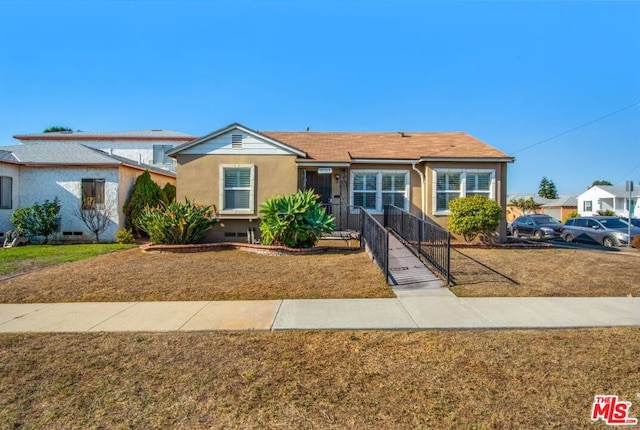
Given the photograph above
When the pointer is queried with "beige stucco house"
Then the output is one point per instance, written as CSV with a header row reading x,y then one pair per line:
x,y
237,169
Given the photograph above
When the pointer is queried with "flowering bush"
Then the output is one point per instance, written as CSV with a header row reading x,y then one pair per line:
x,y
177,223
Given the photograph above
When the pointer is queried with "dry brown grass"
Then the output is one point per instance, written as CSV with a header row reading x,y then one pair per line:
x,y
132,275
545,272
334,380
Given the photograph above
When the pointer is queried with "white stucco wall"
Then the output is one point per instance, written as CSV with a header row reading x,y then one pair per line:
x,y
40,184
602,200
5,214
137,151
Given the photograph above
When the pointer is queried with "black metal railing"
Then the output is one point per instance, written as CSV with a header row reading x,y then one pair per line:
x,y
426,238
374,238
347,218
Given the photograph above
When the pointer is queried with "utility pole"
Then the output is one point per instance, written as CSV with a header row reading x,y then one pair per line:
x,y
629,187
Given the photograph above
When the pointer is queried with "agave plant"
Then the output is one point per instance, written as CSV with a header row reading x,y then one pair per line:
x,y
296,220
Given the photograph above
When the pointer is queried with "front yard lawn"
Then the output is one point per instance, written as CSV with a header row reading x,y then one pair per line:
x,y
500,379
26,258
132,275
545,273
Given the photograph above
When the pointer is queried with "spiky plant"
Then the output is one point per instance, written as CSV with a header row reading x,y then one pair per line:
x,y
295,220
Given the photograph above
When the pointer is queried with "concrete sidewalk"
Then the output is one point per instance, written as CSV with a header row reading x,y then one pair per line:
x,y
435,309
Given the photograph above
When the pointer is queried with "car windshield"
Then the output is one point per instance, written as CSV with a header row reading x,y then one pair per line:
x,y
546,220
613,223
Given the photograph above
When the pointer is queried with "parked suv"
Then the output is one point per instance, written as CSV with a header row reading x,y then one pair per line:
x,y
604,230
539,226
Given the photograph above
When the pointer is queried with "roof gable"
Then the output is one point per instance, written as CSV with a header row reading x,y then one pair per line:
x,y
609,191
250,142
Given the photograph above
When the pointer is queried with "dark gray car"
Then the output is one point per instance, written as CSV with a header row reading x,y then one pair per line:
x,y
538,226
603,230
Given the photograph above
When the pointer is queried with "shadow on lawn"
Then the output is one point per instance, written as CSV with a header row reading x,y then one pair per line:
x,y
466,270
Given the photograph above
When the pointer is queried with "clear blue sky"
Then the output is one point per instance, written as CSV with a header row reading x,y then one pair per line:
x,y
509,73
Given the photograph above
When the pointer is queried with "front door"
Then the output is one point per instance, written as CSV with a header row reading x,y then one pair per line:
x,y
321,183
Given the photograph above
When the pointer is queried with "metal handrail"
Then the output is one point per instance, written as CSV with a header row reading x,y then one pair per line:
x,y
426,238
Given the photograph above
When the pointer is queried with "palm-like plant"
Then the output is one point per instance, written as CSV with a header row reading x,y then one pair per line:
x,y
296,220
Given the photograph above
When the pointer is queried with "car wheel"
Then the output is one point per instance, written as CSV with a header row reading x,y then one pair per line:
x,y
537,235
568,238
608,242
515,233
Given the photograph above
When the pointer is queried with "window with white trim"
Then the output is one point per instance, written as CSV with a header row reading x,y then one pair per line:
x,y
6,191
160,156
237,188
450,184
587,205
373,189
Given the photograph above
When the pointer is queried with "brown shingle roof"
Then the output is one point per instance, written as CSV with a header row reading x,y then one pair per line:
x,y
345,147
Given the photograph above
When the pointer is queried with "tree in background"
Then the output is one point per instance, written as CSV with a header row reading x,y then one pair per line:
x,y
525,205
145,192
600,183
56,128
474,215
547,189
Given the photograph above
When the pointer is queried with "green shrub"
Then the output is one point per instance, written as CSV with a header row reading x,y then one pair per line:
x,y
474,215
169,191
124,235
573,214
177,223
296,220
37,220
605,212
144,193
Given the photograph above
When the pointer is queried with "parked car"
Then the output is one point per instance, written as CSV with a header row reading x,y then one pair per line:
x,y
635,221
538,226
604,230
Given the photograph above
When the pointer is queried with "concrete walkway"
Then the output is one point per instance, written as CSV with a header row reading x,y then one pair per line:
x,y
437,309
421,304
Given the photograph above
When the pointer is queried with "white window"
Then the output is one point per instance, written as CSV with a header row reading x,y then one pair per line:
x,y
237,188
374,189
159,154
6,190
587,206
450,184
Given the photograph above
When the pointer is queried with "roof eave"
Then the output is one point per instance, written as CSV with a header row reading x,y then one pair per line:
x,y
93,138
173,152
471,159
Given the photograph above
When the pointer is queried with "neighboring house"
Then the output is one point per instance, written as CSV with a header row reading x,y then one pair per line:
x,y
75,174
609,197
143,147
559,208
237,169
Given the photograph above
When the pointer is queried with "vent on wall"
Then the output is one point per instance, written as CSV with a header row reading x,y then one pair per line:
x,y
236,141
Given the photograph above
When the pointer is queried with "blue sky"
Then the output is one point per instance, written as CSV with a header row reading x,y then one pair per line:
x,y
509,73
